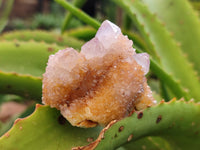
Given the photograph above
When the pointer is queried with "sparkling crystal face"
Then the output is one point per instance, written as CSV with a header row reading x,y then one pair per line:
x,y
143,60
108,34
104,82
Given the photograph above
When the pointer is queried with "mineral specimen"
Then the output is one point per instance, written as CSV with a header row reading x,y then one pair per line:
x,y
104,82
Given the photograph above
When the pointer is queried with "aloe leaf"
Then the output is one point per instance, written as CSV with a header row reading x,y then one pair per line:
x,y
77,3
172,58
79,13
172,83
46,129
40,35
28,58
5,14
23,85
185,29
84,33
22,65
147,143
175,121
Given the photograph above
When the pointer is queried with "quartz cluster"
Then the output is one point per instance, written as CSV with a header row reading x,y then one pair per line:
x,y
104,82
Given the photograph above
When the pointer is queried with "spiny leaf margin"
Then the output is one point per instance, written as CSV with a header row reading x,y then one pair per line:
x,y
168,119
43,126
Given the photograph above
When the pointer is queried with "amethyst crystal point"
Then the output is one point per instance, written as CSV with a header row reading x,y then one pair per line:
x,y
108,33
143,60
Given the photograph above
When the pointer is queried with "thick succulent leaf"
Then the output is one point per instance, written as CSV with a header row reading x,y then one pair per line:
x,y
22,65
45,129
84,33
23,85
172,58
147,143
40,35
28,58
176,121
185,29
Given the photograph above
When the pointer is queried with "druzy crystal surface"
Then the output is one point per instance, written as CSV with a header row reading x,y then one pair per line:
x,y
104,82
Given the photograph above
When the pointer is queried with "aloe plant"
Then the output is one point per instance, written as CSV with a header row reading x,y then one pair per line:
x,y
160,32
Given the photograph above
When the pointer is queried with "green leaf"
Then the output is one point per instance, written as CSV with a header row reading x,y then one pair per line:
x,y
84,33
22,65
172,58
28,58
177,121
185,29
41,35
46,129
23,85
147,143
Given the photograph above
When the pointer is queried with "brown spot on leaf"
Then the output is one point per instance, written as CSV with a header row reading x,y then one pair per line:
x,y
121,128
140,115
17,44
159,119
96,142
50,49
9,86
61,120
90,139
130,137
60,39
